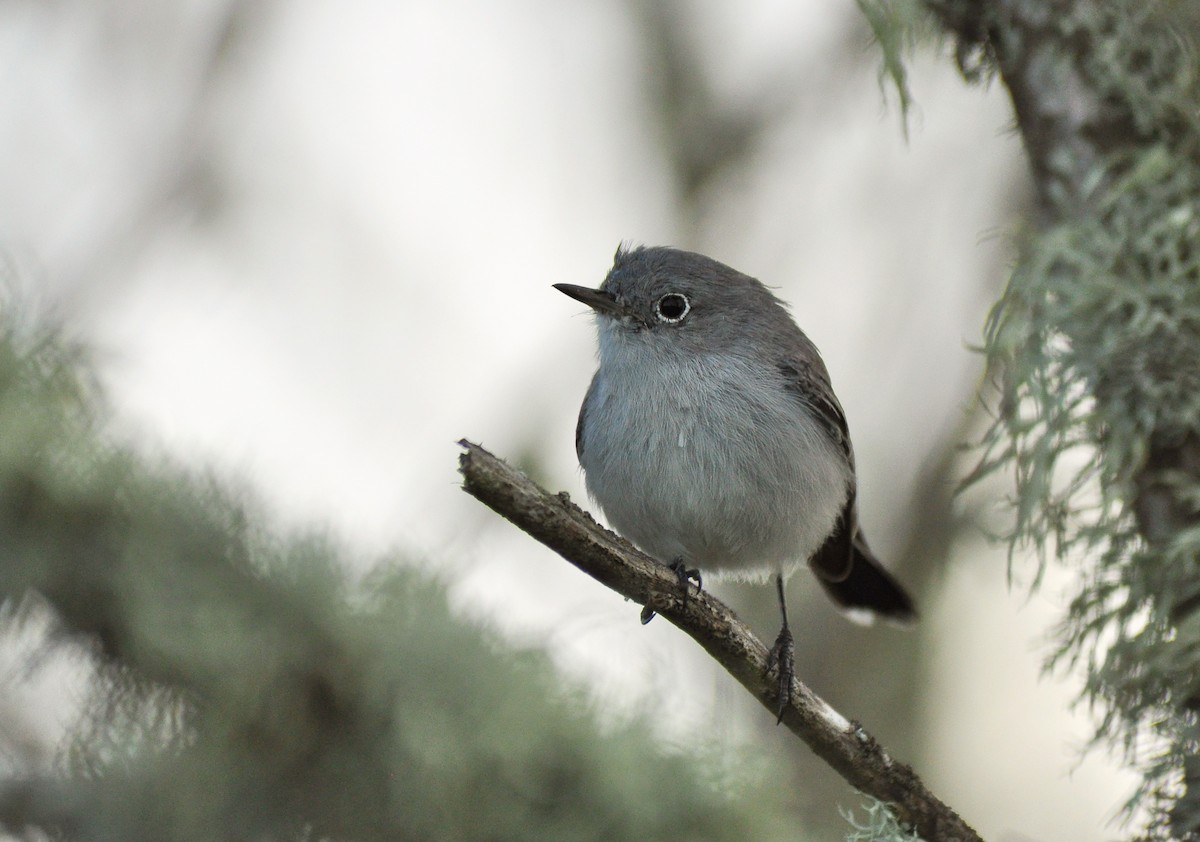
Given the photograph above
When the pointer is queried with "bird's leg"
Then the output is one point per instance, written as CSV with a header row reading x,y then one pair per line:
x,y
686,576
782,655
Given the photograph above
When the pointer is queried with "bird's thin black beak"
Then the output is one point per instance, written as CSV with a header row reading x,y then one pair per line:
x,y
597,299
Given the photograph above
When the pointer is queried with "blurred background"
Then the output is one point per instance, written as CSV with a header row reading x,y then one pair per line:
x,y
311,246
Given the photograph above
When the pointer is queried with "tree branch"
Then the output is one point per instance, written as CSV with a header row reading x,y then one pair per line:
x,y
843,744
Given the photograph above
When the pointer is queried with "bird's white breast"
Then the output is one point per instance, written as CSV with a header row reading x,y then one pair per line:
x,y
710,459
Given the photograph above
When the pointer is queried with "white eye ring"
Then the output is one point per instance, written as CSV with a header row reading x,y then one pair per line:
x,y
672,308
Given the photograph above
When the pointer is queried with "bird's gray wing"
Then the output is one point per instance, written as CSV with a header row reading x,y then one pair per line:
x,y
844,564
809,384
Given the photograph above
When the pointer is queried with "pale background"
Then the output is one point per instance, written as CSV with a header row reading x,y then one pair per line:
x,y
312,244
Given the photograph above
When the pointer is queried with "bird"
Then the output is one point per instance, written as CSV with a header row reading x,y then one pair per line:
x,y
711,438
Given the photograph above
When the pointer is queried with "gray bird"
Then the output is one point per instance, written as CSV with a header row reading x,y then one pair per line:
x,y
711,437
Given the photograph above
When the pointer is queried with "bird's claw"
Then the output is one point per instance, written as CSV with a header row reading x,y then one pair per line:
x,y
782,659
686,576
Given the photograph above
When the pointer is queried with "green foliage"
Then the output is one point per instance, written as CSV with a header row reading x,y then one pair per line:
x,y
878,825
1143,60
249,688
898,26
1095,350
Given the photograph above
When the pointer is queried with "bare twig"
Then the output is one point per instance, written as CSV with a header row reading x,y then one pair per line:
x,y
843,744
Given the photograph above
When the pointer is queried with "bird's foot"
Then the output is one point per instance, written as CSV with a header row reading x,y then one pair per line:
x,y
782,659
686,576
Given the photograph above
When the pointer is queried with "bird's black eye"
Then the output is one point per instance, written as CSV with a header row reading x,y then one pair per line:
x,y
672,307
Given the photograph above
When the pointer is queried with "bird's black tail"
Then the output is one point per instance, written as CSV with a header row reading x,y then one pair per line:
x,y
862,583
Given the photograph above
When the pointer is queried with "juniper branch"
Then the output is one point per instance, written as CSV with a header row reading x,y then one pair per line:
x,y
842,743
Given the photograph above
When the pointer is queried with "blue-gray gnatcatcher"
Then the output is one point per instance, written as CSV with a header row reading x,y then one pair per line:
x,y
712,439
